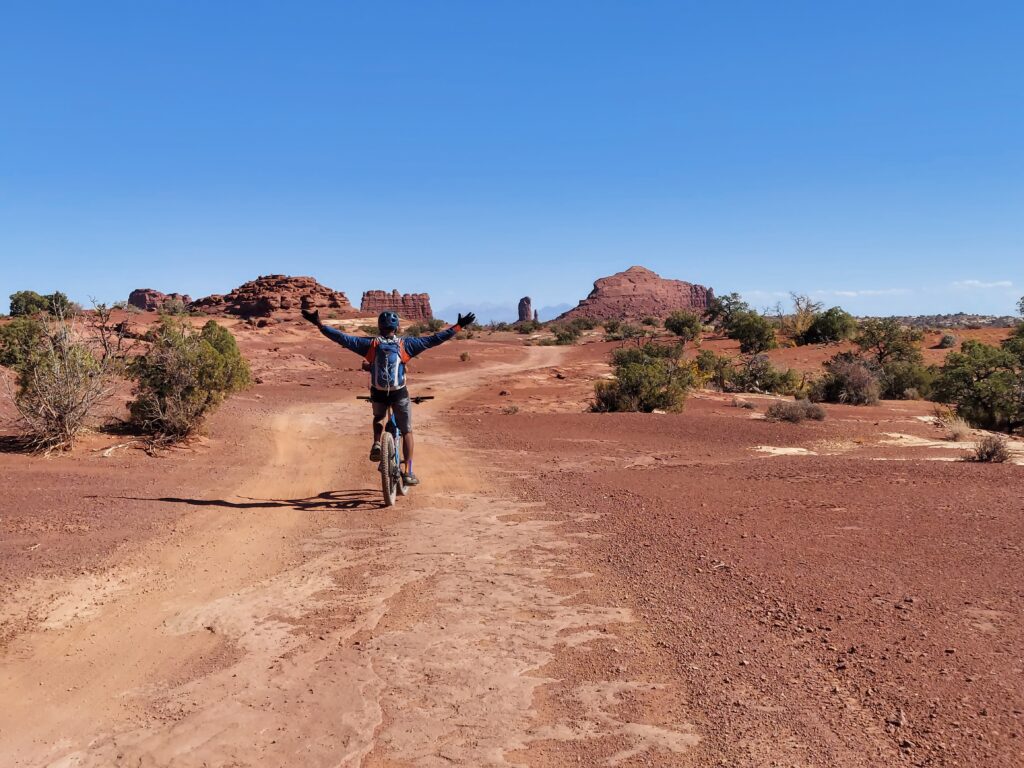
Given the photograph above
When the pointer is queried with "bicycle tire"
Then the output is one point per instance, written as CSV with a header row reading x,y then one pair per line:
x,y
388,469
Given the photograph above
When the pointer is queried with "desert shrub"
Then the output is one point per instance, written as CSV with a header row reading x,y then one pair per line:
x,y
884,340
647,378
19,338
501,326
464,357
985,383
722,309
583,324
510,410
566,334
650,321
992,449
716,369
948,341
893,353
847,379
741,403
628,332
795,411
753,331
184,376
61,381
686,325
611,326
434,324
25,303
528,326
959,429
172,306
828,327
905,380
757,374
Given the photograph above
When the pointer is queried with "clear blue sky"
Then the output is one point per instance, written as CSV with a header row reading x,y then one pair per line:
x,y
872,152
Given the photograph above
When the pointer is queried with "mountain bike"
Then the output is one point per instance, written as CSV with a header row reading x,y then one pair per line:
x,y
391,483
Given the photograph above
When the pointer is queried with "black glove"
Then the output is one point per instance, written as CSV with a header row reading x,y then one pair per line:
x,y
313,317
466,320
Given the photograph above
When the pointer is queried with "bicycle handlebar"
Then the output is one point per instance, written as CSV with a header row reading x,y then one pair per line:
x,y
418,399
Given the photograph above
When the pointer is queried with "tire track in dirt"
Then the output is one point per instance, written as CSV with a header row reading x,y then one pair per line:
x,y
283,627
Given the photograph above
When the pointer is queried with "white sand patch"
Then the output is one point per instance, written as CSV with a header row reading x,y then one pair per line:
x,y
774,450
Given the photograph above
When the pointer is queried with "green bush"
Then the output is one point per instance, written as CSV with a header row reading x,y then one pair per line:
x,y
717,369
650,321
184,376
566,334
627,332
758,375
528,326
753,331
24,303
905,380
828,327
19,338
686,325
884,340
985,383
948,341
795,411
647,378
847,379
60,383
723,309
611,326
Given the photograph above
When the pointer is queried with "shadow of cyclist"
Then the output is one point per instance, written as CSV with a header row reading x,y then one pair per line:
x,y
322,502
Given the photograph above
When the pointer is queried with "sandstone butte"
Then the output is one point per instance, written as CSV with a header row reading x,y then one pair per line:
x,y
270,294
413,307
150,300
638,293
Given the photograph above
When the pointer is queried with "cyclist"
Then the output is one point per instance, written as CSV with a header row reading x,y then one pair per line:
x,y
385,358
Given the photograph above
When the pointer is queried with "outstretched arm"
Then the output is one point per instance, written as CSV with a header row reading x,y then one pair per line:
x,y
415,345
358,344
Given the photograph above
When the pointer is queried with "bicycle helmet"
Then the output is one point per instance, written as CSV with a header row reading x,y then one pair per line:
x,y
387,322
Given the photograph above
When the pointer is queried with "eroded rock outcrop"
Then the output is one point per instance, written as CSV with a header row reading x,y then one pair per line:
x,y
271,294
412,307
150,300
637,293
525,309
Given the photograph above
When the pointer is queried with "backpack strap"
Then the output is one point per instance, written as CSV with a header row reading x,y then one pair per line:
x,y
372,351
404,356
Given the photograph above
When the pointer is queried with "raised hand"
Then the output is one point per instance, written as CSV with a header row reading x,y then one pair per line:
x,y
466,320
313,317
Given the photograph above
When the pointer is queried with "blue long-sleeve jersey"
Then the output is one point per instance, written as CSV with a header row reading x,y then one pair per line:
x,y
413,345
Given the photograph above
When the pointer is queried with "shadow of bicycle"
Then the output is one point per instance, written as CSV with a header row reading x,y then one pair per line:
x,y
327,501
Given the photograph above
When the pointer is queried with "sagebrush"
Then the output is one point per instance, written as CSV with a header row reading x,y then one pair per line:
x,y
184,376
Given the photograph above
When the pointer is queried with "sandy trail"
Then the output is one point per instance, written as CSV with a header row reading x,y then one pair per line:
x,y
288,624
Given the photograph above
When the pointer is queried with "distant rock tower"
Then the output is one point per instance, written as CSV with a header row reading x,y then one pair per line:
x,y
536,316
525,309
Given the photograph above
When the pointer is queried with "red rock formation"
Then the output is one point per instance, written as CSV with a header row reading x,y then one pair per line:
x,y
270,294
638,293
149,300
526,312
411,307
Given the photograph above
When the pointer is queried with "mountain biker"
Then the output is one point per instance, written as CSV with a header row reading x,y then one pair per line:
x,y
385,358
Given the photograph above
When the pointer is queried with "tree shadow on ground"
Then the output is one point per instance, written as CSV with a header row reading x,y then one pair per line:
x,y
16,444
323,502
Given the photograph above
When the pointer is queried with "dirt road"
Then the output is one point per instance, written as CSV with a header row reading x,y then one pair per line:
x,y
565,588
282,624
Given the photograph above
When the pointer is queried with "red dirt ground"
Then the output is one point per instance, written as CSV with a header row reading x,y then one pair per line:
x,y
703,588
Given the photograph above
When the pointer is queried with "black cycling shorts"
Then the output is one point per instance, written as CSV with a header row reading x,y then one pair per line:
x,y
400,404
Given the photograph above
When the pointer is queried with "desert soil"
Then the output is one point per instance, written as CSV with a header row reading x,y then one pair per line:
x,y
564,588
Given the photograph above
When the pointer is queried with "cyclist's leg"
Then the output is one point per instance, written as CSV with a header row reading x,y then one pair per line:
x,y
403,415
380,412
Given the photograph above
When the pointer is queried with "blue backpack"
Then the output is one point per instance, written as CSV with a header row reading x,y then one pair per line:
x,y
387,359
